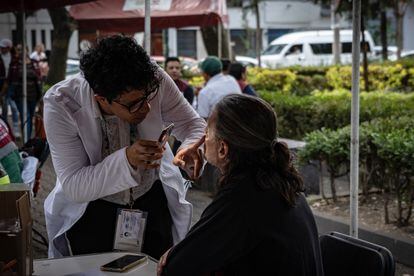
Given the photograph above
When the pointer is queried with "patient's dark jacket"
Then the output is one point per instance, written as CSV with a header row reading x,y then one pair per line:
x,y
249,231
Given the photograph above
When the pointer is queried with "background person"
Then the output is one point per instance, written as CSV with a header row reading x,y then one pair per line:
x,y
173,68
34,93
225,63
39,53
102,126
7,54
259,223
238,71
217,86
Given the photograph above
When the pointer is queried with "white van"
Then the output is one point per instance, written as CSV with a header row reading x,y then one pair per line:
x,y
310,48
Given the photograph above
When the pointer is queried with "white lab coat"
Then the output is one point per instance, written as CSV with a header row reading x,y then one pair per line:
x,y
74,133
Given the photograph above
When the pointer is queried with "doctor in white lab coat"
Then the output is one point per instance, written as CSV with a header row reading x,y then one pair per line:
x,y
87,171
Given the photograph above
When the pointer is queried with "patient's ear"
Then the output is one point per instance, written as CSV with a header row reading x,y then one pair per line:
x,y
101,100
223,151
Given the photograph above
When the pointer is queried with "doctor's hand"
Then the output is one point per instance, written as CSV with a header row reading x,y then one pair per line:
x,y
143,153
162,262
190,159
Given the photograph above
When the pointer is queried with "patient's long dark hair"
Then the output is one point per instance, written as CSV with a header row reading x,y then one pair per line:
x,y
248,124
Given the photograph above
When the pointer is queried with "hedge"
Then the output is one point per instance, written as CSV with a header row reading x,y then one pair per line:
x,y
397,77
298,115
386,159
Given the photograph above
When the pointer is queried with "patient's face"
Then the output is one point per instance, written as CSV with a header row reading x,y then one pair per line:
x,y
211,143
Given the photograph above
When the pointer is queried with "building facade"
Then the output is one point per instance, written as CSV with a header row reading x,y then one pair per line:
x,y
277,17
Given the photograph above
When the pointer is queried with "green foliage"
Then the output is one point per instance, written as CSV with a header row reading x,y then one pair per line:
x,y
272,80
380,77
298,116
386,157
197,81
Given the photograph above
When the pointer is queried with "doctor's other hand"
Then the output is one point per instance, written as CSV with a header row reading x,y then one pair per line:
x,y
190,159
162,262
143,154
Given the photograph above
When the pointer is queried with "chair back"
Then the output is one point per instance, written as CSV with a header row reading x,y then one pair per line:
x,y
386,254
345,257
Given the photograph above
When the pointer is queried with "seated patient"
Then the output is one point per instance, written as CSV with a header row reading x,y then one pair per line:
x,y
259,223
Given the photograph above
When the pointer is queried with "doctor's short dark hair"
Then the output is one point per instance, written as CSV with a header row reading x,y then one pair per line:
x,y
117,64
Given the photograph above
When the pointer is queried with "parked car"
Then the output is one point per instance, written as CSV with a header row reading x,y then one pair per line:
x,y
310,48
248,61
72,67
408,54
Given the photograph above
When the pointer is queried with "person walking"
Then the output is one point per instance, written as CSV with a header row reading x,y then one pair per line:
x,y
34,93
7,54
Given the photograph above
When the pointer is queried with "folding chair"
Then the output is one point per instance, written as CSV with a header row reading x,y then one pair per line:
x,y
386,254
342,257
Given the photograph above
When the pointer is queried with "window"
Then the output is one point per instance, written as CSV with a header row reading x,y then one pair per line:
x,y
235,3
347,47
43,37
14,37
244,42
274,49
322,48
295,50
272,34
187,43
33,34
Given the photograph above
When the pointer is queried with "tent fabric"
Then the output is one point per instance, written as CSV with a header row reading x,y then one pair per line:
x,y
32,5
109,15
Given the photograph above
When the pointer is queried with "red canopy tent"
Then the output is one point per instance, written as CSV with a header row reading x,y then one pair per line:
x,y
32,5
119,16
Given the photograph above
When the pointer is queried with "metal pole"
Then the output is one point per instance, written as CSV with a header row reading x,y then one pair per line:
x,y
335,27
219,38
147,35
356,36
24,53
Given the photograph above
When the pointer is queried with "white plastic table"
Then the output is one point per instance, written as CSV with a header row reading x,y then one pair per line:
x,y
89,265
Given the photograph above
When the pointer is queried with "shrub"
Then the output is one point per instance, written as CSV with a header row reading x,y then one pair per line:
x,y
272,80
197,81
386,159
328,146
300,115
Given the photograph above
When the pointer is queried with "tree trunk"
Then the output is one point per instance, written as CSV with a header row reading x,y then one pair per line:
x,y
210,39
321,186
399,36
19,28
399,12
410,201
364,55
63,26
383,30
258,34
387,195
336,42
333,188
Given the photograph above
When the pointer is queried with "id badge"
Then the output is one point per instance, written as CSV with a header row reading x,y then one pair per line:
x,y
130,228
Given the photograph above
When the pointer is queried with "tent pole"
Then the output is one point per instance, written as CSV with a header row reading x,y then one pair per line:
x,y
147,35
356,45
24,77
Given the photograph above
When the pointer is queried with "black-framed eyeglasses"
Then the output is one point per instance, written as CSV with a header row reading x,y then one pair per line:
x,y
135,106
